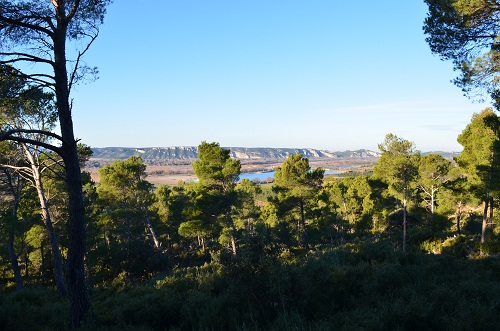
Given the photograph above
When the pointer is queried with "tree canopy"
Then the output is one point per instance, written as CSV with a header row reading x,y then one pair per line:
x,y
480,158
398,167
467,32
34,36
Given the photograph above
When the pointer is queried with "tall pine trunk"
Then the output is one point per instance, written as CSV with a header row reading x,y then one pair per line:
x,y
81,306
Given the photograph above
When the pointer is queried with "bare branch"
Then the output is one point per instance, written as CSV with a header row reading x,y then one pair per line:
x,y
25,57
42,132
17,22
24,172
10,135
78,59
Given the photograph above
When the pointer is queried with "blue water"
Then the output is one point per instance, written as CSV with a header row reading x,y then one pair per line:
x,y
262,176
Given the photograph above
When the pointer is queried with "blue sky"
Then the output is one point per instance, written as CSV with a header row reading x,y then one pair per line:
x,y
326,74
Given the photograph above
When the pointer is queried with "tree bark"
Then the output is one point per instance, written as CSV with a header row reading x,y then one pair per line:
x,y
404,224
15,190
14,262
54,245
81,306
154,237
485,219
305,240
490,221
233,244
433,193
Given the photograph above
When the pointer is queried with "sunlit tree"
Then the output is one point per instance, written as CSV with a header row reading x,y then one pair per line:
x,y
398,167
480,160
34,38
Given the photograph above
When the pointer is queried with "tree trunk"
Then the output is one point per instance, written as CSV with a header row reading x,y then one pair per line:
x,y
305,240
152,232
81,306
233,244
129,230
229,223
490,221
26,265
404,224
54,245
77,287
42,253
459,214
485,220
14,262
433,193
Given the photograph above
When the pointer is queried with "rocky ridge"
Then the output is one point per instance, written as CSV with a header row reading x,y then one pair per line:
x,y
154,154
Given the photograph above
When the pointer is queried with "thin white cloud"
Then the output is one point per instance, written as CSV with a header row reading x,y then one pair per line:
x,y
420,106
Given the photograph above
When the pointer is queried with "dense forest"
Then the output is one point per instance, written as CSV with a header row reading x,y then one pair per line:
x,y
413,245
417,241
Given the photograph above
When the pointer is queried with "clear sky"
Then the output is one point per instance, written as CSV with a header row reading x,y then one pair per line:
x,y
325,74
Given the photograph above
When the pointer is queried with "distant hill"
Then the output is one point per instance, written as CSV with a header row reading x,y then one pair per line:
x,y
446,155
162,154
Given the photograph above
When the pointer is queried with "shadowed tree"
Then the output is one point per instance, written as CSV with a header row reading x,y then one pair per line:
x,y
434,171
126,197
398,167
480,160
169,206
34,36
295,185
11,187
218,173
455,195
351,197
30,109
246,212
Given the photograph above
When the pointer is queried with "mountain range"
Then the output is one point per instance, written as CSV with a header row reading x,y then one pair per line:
x,y
152,154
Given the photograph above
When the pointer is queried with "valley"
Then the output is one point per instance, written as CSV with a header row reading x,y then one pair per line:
x,y
173,164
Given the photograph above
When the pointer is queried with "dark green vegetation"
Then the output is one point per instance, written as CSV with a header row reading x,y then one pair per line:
x,y
298,254
466,33
34,36
412,246
364,287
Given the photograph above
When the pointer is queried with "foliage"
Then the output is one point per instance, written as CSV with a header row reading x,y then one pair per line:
x,y
124,222
434,172
398,168
352,267
480,160
214,196
295,186
364,287
33,40
466,32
